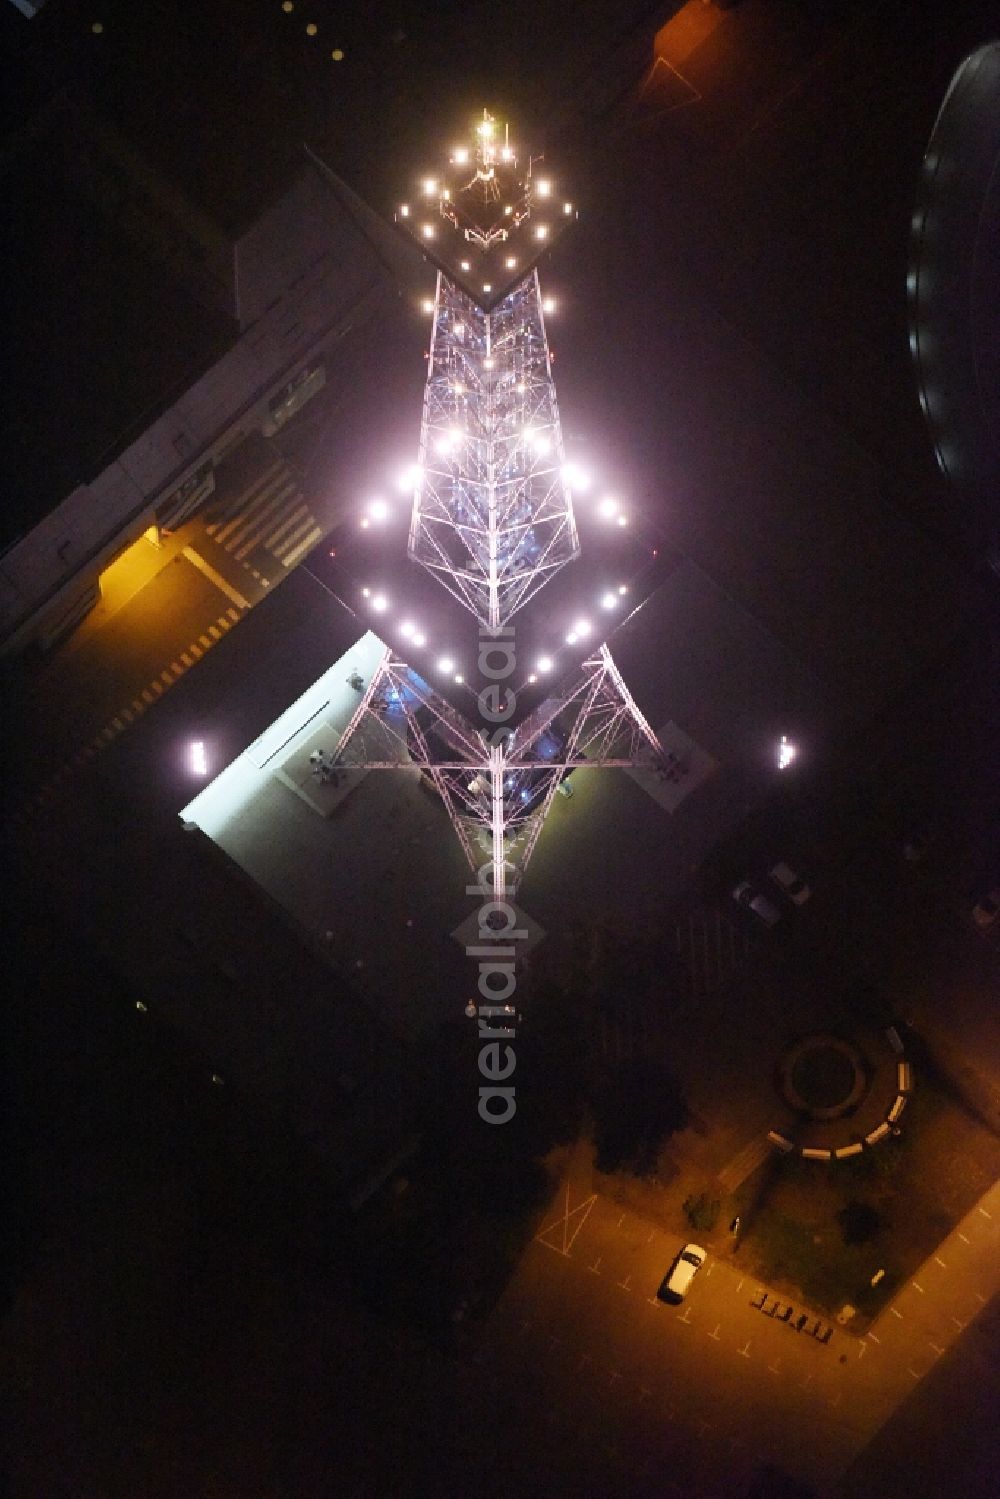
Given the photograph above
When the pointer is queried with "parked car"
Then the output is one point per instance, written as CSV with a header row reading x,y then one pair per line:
x,y
756,901
677,1281
986,910
790,884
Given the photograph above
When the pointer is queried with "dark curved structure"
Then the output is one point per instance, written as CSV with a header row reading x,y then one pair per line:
x,y
954,288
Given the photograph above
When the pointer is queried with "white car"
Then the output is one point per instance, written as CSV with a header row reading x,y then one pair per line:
x,y
748,895
790,884
677,1281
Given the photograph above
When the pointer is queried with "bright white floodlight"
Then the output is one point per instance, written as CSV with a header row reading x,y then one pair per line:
x,y
427,231
378,510
430,186
380,603
548,305
541,231
608,508
460,156
427,305
623,520
409,479
609,600
582,627
786,753
198,759
446,664
575,478
543,187
418,638
407,629
544,663
571,638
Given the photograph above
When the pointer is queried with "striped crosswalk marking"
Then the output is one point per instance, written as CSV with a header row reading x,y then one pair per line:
x,y
271,513
290,559
187,658
215,632
147,696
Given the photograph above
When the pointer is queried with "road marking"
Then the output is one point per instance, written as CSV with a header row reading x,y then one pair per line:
x,y
918,1287
196,651
874,1337
939,1261
652,1236
895,1313
715,1334
984,1213
224,623
307,541
809,1380
233,615
775,1368
138,705
911,1370
185,657
166,677
935,1347
687,1315
156,688
980,1299
740,1286
621,1220
215,632
862,1349
177,668
595,1267
654,1301
568,1239
963,1238
626,1284
127,714
744,1352
204,642
220,582
959,1325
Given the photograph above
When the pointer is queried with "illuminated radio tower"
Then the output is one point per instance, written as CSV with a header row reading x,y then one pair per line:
x,y
492,511
493,519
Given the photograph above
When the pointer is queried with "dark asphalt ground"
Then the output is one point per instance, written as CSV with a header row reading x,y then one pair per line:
x,y
150,1329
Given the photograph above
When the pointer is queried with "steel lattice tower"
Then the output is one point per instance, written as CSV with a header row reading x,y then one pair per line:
x,y
492,520
492,514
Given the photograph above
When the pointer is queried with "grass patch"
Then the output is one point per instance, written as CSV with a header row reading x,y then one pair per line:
x,y
895,1203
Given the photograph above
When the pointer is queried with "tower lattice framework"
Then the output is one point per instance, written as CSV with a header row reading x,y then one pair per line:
x,y
492,513
493,521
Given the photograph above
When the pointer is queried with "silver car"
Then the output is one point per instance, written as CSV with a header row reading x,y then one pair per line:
x,y
790,884
754,900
